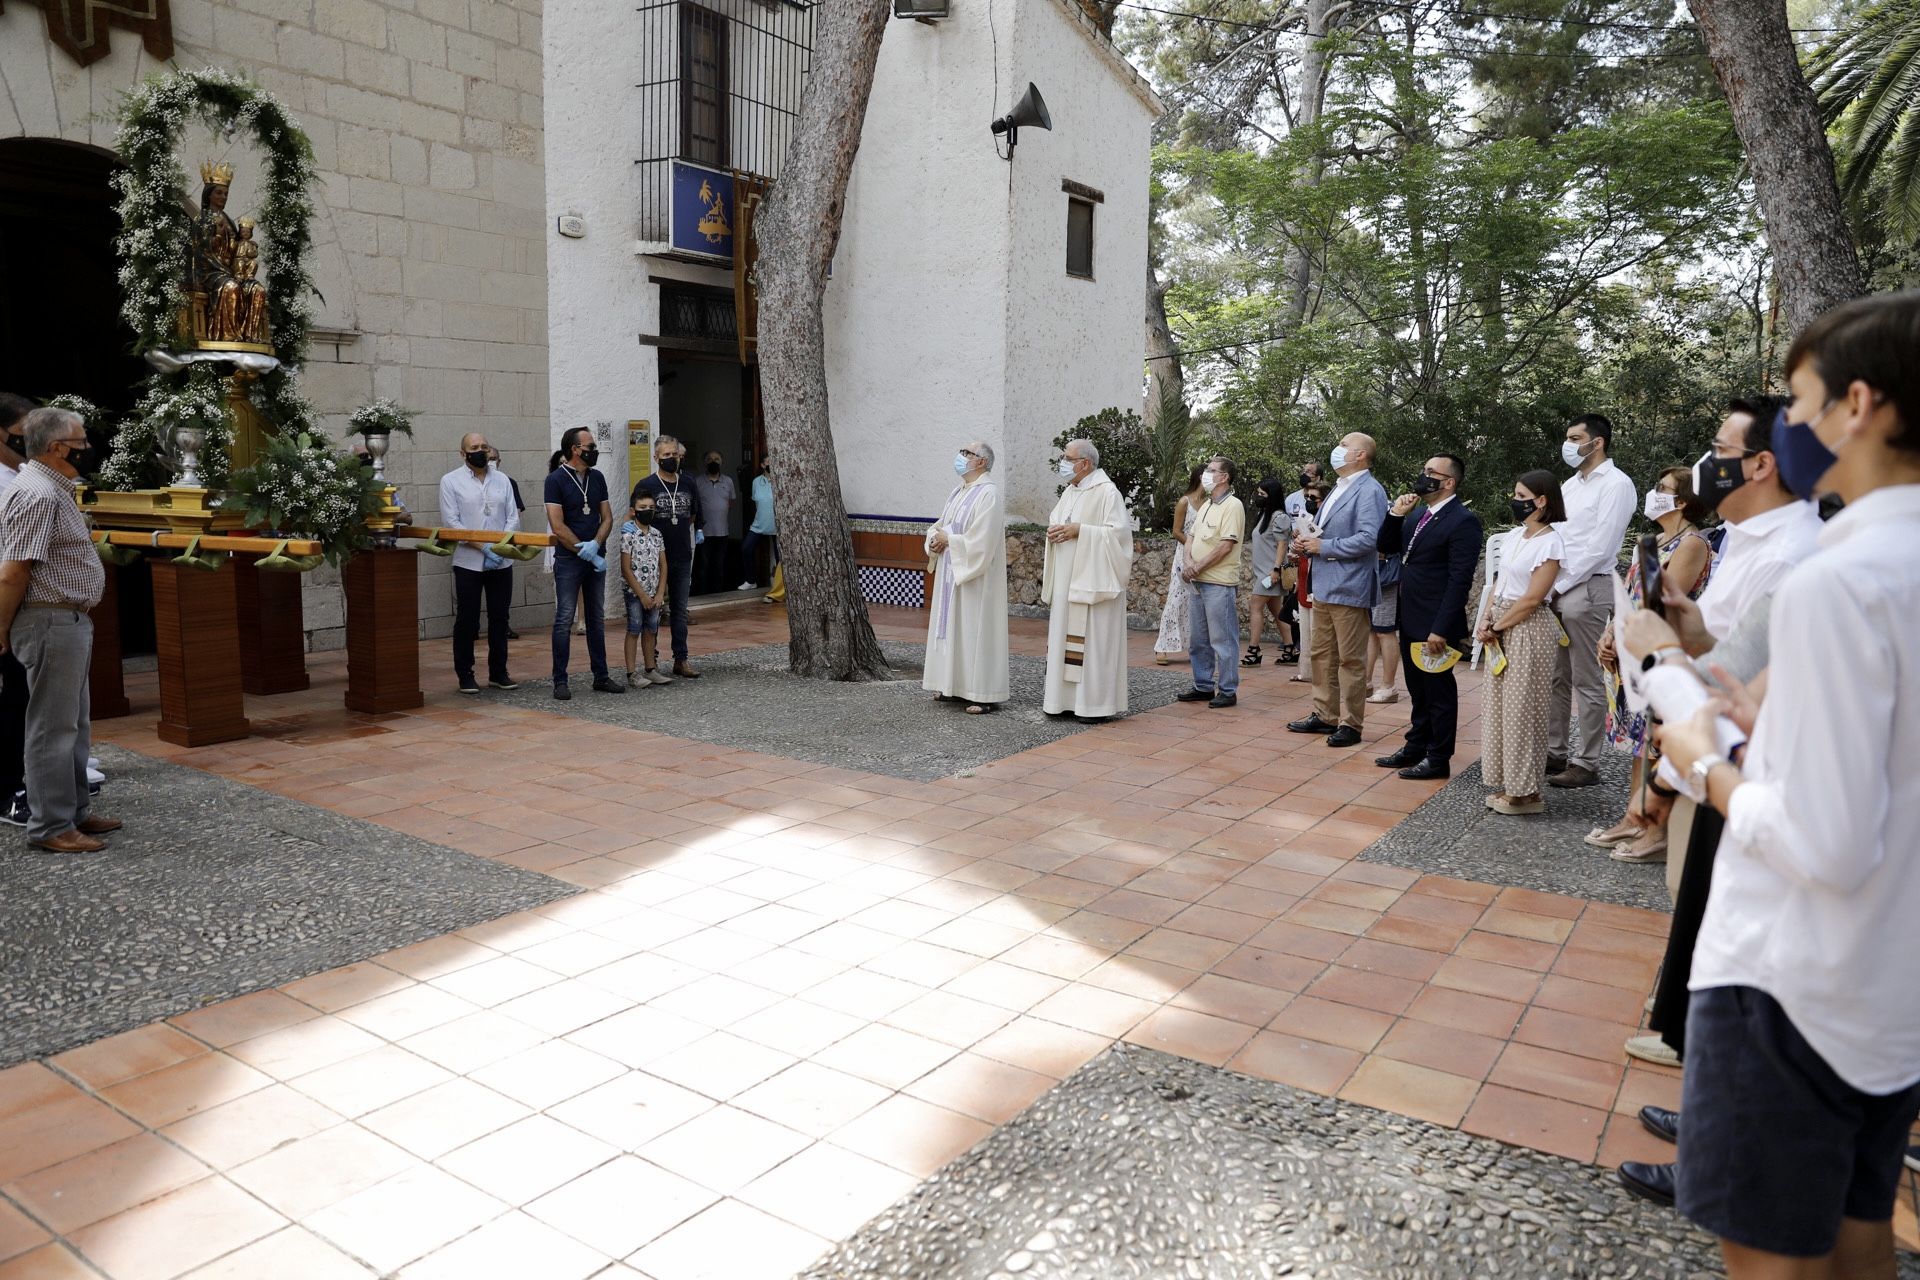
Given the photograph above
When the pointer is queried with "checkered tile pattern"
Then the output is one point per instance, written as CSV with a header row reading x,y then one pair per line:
x,y
903,588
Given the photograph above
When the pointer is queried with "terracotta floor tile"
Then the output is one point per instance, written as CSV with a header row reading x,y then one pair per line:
x,y
1636,919
101,1183
405,1217
1516,953
469,1043
1282,972
1529,1120
1525,924
870,995
1614,971
1428,909
1482,1015
176,1232
1409,1090
1590,1000
435,956
632,1109
496,981
1558,1075
249,1126
176,1092
1189,1033
951,1019
509,1248
1338,1024
1648,1086
1448,1049
719,1065
1417,933
723,1149
311,1173
526,1159
232,1020
1041,1046
621,1205
371,1080
1332,916
1288,1059
434,1122
1005,985
1380,992
1055,957
1544,904
785,971
290,1251
1230,998
797,1027
1298,939
547,1073
305,1046
923,963
980,1087
49,1262
18,1233
1462,974
915,1137
729,1241
1374,956
828,1190
30,1086
132,1053
342,988
1463,890
1137,976
812,1098
1168,945
1627,1139
1217,922
407,1012
1571,1033
1094,1010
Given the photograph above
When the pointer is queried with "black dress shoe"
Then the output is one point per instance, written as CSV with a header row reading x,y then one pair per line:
x,y
1426,771
1556,764
1195,694
1345,736
1224,700
1648,1181
1312,724
1400,759
1661,1123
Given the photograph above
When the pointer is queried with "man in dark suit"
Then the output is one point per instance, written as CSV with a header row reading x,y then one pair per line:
x,y
1439,544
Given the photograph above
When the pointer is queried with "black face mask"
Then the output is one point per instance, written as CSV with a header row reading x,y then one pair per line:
x,y
1715,477
1522,509
643,517
1424,484
590,455
1313,504
713,468
1305,479
80,458
669,466
477,459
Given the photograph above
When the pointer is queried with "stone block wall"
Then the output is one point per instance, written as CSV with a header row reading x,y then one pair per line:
x,y
427,123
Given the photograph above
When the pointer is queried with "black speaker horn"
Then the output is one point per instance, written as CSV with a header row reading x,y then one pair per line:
x,y
1030,110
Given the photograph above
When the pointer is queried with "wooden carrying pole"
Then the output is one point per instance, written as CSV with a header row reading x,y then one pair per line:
x,y
207,541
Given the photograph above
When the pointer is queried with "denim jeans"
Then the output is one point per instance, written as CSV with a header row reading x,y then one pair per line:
x,y
679,587
1213,637
570,575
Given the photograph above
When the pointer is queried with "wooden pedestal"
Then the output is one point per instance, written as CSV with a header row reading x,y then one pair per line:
x,y
383,631
107,689
197,627
273,638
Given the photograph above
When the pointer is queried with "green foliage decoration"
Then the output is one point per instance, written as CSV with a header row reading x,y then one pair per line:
x,y
301,487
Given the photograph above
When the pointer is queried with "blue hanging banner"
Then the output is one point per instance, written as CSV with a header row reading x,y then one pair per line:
x,y
703,214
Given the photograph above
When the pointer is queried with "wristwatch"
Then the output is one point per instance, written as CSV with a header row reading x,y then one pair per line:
x,y
1702,768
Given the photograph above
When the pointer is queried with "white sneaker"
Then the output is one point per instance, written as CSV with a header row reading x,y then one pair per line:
x,y
93,762
745,586
1380,697
1652,1049
657,676
95,777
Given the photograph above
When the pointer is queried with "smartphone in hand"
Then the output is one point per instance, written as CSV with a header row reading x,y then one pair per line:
x,y
1652,581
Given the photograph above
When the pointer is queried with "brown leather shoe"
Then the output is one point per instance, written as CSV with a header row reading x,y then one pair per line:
x,y
99,826
685,672
69,842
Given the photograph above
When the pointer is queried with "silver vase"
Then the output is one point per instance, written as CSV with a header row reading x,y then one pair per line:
x,y
189,441
377,442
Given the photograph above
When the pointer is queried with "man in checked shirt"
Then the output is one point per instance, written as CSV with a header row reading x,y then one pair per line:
x,y
50,576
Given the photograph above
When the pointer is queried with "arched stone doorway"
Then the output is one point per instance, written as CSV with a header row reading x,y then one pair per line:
x,y
60,327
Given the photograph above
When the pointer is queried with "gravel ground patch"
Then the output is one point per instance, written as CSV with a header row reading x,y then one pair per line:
x,y
215,889
1455,834
1145,1165
746,698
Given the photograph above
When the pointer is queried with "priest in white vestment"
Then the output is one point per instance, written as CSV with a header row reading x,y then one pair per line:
x,y
1084,583
967,620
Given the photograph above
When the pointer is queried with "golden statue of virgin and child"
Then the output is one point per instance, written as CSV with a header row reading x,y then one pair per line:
x,y
226,300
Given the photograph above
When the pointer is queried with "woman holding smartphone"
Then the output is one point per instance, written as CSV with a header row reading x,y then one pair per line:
x,y
1517,624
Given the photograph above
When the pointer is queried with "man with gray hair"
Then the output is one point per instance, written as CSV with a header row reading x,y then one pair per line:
x,y
50,576
1084,583
967,623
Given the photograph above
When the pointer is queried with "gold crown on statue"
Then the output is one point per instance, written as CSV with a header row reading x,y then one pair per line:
x,y
218,175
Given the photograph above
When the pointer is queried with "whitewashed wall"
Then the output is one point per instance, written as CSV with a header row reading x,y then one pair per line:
x,y
426,121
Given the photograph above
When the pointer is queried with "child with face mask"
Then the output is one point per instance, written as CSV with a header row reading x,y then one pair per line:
x,y
643,570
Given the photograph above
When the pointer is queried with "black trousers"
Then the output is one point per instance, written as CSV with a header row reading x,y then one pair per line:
x,y
710,565
468,586
1670,996
1436,708
13,726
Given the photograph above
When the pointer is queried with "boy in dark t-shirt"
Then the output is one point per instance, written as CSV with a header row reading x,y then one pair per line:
x,y
676,505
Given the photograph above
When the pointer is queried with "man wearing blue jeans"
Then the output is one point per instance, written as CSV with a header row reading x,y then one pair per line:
x,y
578,515
1213,567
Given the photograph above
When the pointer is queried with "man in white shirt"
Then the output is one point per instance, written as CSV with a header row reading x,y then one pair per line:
x,y
13,677
476,496
1600,502
1803,1074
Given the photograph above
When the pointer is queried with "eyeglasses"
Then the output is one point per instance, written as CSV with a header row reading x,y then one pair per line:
x,y
968,453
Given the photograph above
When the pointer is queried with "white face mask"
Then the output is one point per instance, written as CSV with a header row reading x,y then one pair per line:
x,y
1659,504
1339,456
1571,454
960,464
1066,467
1210,480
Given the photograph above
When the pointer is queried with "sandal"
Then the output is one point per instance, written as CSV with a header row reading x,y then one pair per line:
x,y
1619,833
1253,656
1289,656
981,708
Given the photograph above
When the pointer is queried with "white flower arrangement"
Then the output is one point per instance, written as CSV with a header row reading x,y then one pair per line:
x,y
143,450
382,415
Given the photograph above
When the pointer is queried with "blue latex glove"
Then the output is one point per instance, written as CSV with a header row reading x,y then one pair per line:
x,y
629,527
587,550
699,536
488,560
599,563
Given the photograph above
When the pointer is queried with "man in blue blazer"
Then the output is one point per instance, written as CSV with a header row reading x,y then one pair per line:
x,y
1438,540
1345,587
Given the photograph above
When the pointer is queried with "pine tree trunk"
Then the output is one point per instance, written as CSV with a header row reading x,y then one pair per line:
x,y
1779,127
797,230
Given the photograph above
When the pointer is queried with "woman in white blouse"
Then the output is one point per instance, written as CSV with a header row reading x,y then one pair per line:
x,y
1523,638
